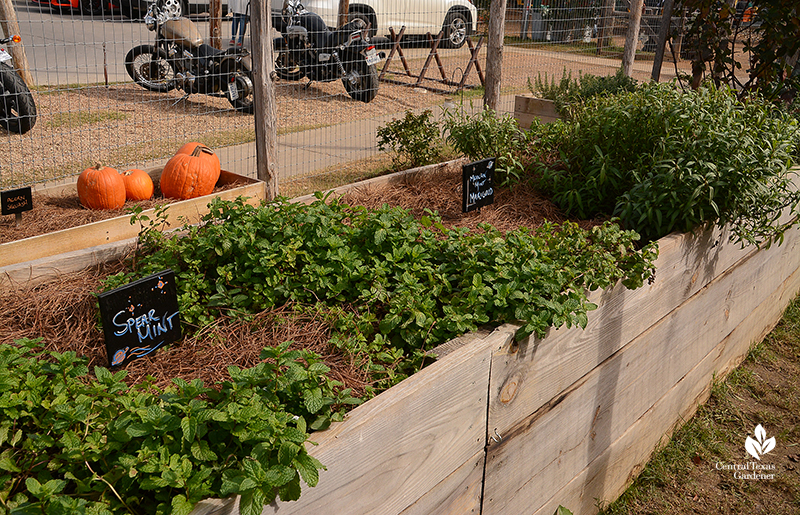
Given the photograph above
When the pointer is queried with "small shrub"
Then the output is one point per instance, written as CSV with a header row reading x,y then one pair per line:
x,y
414,139
487,134
665,160
569,91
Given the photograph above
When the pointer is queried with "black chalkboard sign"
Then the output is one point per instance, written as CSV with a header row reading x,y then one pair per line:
x,y
13,202
477,184
140,317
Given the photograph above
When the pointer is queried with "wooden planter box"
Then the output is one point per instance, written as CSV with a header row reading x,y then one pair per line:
x,y
528,107
569,419
26,260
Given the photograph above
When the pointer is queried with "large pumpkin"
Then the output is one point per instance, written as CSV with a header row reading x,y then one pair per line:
x,y
138,184
101,187
190,175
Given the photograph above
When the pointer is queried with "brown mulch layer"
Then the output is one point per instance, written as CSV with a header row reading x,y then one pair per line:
x,y
64,311
52,213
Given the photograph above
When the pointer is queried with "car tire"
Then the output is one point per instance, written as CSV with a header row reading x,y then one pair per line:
x,y
456,30
131,9
92,7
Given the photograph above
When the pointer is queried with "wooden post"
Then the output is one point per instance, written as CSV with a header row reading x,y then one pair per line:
x,y
663,36
10,26
214,23
344,7
632,36
265,105
494,54
604,31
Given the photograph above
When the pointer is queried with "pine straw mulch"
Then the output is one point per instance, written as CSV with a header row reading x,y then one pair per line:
x,y
64,311
54,212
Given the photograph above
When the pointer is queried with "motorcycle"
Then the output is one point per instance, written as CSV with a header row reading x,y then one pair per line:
x,y
180,58
308,48
17,108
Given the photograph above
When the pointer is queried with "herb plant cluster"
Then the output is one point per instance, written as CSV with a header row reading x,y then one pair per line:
x,y
665,160
72,444
393,285
568,92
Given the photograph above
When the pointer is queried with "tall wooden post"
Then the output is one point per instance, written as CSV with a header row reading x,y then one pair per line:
x,y
344,7
663,36
10,26
632,36
214,23
265,104
494,54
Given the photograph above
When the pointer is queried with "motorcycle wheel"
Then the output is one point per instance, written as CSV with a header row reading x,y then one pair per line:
x,y
245,98
286,68
365,85
155,75
17,109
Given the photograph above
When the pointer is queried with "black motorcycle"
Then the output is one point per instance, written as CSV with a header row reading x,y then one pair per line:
x,y
308,48
17,109
181,59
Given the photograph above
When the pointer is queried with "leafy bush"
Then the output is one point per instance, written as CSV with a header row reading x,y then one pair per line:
x,y
487,134
664,160
569,91
73,444
414,140
396,286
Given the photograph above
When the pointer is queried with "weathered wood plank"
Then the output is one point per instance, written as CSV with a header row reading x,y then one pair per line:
x,y
606,477
545,450
458,494
541,368
120,228
400,445
528,108
31,273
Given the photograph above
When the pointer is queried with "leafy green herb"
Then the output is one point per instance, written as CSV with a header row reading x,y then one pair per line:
x,y
73,444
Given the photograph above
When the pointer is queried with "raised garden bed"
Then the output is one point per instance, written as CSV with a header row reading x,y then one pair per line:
x,y
527,108
499,426
108,232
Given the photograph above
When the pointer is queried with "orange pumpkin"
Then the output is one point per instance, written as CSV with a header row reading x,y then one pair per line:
x,y
138,184
190,175
188,148
101,187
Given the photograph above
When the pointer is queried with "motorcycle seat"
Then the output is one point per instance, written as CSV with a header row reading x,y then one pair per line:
x,y
341,35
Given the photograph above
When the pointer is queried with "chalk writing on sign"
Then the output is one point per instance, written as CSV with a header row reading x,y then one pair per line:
x,y
140,317
16,201
477,184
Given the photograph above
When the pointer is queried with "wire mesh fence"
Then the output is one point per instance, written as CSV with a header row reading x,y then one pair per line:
x,y
83,57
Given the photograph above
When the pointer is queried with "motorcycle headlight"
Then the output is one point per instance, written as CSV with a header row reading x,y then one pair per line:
x,y
150,22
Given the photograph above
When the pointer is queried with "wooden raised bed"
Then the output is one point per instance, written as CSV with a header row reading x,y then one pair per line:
x,y
528,107
569,419
39,257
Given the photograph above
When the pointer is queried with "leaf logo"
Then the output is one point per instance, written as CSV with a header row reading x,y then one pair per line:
x,y
760,445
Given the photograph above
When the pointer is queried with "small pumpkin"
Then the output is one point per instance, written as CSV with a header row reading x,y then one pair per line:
x,y
190,175
101,187
138,184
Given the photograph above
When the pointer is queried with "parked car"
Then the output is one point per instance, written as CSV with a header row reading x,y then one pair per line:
x,y
457,18
84,6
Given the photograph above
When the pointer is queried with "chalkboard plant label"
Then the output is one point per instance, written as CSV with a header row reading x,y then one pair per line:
x,y
13,202
140,317
477,184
